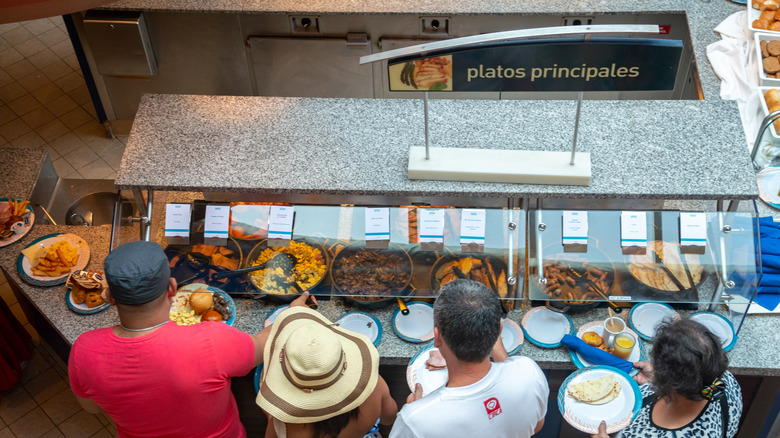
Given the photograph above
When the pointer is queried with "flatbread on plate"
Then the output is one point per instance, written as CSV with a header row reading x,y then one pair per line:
x,y
591,390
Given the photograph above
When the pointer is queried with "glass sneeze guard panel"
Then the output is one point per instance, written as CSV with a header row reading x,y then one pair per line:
x,y
329,247
727,271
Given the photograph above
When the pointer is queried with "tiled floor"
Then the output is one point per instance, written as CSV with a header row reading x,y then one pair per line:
x,y
42,405
44,102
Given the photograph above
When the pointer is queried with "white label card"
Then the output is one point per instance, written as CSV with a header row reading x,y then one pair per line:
x,y
217,222
431,225
575,227
177,220
693,229
472,226
280,223
377,224
633,228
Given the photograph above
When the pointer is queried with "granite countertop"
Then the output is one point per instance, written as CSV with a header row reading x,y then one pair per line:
x,y
703,17
749,357
650,149
20,168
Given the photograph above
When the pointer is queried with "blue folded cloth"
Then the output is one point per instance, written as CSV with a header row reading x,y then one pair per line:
x,y
596,355
768,297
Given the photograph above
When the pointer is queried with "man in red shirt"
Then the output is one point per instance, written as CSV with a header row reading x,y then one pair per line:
x,y
153,377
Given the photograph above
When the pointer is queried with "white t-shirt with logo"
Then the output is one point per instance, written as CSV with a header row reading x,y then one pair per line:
x,y
508,402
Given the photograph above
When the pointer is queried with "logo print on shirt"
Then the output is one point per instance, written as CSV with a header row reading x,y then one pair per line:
x,y
493,407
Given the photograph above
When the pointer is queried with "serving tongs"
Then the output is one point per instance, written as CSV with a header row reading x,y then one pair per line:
x,y
281,260
574,274
657,258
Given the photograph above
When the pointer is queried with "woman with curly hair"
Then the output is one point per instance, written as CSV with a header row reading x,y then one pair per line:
x,y
686,391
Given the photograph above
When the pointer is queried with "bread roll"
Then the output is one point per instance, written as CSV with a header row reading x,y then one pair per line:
x,y
767,16
201,300
758,24
769,5
772,98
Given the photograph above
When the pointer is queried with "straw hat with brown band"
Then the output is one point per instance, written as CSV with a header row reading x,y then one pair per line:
x,y
313,369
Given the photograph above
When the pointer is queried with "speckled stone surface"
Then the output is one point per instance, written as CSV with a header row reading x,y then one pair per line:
x,y
20,168
50,301
702,17
749,357
652,149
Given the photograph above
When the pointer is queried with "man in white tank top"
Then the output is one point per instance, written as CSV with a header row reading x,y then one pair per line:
x,y
503,398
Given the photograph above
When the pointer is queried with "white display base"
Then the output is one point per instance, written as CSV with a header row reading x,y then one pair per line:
x,y
502,166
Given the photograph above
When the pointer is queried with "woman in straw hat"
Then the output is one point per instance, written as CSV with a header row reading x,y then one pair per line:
x,y
320,380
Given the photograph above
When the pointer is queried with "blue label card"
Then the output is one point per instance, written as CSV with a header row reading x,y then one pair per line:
x,y
280,222
472,228
177,220
431,225
377,223
633,228
217,223
575,227
693,232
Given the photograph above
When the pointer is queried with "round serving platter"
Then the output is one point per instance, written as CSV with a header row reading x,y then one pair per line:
x,y
27,228
639,353
645,317
363,323
720,326
180,303
617,413
274,313
417,326
545,328
416,372
511,336
82,308
25,269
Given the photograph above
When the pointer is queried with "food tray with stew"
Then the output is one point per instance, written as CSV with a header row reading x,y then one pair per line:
x,y
371,277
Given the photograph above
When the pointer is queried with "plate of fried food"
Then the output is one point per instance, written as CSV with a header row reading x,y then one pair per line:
x,y
428,368
598,393
592,333
198,302
16,220
49,260
85,292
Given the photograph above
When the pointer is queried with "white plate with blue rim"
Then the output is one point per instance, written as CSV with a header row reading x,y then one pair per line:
x,y
25,268
617,413
417,326
258,374
720,326
416,372
638,353
181,300
83,308
27,223
511,336
545,328
363,323
645,317
274,313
